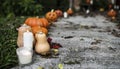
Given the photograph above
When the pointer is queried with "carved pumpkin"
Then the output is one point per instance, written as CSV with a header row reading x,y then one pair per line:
x,y
37,29
59,13
69,11
42,46
44,22
112,13
32,21
51,16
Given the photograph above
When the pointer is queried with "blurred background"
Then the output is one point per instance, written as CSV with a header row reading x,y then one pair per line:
x,y
39,7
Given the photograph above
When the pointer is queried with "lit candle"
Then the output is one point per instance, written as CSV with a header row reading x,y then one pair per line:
x,y
91,2
28,39
113,1
117,7
65,15
21,30
24,55
87,11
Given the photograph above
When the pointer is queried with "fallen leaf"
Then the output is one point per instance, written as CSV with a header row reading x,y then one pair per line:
x,y
40,67
60,66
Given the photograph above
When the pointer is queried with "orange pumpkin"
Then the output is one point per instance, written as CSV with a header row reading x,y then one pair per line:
x,y
44,22
59,13
69,11
51,16
88,1
44,30
32,21
112,13
37,29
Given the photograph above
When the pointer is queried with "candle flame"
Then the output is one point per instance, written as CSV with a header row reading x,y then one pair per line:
x,y
40,32
27,30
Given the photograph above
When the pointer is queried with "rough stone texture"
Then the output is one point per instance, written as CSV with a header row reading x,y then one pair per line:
x,y
87,43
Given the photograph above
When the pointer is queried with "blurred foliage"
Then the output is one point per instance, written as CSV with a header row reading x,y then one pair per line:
x,y
38,7
30,7
8,43
97,4
19,7
100,4
54,4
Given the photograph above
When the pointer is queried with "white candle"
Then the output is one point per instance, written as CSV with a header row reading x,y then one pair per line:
x,y
87,11
24,55
65,15
117,7
91,2
28,39
113,1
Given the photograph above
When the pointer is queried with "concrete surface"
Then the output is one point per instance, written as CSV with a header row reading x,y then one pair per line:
x,y
88,43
